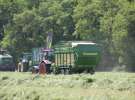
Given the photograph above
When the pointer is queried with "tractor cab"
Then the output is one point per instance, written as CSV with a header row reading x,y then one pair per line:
x,y
6,61
48,54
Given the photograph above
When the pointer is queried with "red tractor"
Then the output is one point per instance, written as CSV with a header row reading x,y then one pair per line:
x,y
45,64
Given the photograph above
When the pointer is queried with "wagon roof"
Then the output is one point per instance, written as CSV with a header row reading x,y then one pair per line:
x,y
75,43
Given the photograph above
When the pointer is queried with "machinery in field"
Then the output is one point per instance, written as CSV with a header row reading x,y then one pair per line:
x,y
6,61
67,57
74,57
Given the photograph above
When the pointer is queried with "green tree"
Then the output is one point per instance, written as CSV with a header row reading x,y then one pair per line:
x,y
7,9
24,33
87,16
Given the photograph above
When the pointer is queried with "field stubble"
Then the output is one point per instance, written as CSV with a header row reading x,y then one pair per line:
x,y
101,86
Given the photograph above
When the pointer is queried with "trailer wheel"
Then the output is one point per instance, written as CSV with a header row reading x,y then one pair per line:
x,y
92,71
42,68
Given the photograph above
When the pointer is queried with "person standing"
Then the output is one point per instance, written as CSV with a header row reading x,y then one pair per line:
x,y
19,66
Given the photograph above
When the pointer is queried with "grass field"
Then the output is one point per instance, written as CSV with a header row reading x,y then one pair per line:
x,y
101,86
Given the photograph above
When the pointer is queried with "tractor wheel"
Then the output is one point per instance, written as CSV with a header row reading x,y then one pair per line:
x,y
42,68
62,71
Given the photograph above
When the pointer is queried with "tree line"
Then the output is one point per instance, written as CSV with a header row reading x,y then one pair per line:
x,y
24,24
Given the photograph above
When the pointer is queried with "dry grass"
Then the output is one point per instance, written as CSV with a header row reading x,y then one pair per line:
x,y
101,86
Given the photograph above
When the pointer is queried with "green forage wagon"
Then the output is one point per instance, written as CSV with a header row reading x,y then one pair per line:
x,y
76,57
